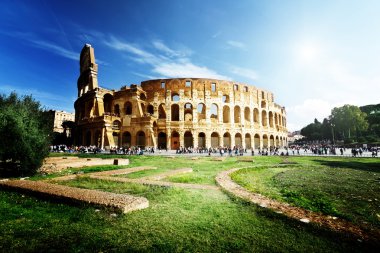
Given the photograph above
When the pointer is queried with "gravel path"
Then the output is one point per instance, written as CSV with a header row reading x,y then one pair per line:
x,y
121,202
225,182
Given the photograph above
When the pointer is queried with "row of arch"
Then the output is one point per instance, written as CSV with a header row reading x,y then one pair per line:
x,y
188,139
267,118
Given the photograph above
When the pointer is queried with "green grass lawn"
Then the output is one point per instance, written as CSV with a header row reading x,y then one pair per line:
x,y
348,188
177,220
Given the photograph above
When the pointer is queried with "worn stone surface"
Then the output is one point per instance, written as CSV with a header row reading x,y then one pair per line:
x,y
121,202
58,164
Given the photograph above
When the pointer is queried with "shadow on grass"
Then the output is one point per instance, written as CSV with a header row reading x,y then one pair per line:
x,y
356,165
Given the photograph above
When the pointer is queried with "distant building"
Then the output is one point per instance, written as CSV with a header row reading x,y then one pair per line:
x,y
294,136
59,117
174,113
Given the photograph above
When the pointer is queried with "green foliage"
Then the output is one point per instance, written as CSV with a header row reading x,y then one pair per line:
x,y
24,132
348,119
349,123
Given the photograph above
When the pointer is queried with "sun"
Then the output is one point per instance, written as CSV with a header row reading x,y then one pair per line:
x,y
309,53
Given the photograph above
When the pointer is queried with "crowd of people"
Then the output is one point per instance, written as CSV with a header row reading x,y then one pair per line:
x,y
315,149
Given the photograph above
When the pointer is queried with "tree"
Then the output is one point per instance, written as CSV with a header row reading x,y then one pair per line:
x,y
24,132
347,120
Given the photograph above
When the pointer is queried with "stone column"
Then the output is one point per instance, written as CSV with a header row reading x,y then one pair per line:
x,y
181,139
221,140
195,139
208,139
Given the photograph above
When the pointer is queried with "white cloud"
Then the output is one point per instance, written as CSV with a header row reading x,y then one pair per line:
x,y
56,49
304,113
183,69
236,44
247,73
172,63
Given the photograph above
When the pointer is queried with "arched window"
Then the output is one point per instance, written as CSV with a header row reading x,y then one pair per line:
x,y
107,101
237,114
201,109
188,112
175,112
226,114
128,108
226,99
214,111
116,110
175,97
150,109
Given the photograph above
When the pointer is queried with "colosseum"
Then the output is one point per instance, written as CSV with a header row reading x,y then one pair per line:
x,y
174,113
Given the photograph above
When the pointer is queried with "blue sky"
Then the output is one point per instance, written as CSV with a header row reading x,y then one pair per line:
x,y
313,55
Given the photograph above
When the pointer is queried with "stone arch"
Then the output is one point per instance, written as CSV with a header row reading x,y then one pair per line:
x,y
247,114
277,143
116,110
150,109
107,102
161,111
162,140
226,114
257,140
263,104
126,139
265,141
215,140
128,108
175,112
248,141
256,115
188,112
226,98
116,138
201,109
271,140
238,140
175,144
98,138
188,139
237,114
227,139
175,97
201,140
140,139
270,118
214,111
116,125
142,96
88,138
264,118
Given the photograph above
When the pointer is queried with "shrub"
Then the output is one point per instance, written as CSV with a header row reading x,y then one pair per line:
x,y
24,132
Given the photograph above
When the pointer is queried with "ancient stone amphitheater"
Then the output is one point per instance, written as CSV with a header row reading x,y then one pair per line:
x,y
174,113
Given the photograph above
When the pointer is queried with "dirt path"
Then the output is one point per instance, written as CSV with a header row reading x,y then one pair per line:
x,y
225,182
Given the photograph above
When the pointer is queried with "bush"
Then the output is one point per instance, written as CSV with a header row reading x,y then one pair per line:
x,y
24,132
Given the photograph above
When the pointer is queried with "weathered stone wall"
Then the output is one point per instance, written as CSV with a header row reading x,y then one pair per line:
x,y
181,112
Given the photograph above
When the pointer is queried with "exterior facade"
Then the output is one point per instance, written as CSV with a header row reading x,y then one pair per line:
x,y
59,117
174,113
